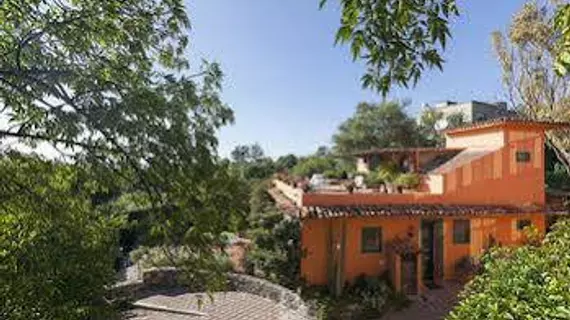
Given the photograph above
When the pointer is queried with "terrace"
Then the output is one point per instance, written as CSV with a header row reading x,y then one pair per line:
x,y
383,176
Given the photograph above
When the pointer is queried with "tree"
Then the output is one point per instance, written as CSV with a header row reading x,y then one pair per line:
x,y
530,282
527,57
455,120
429,129
308,166
286,162
252,162
108,85
57,248
376,126
399,40
247,153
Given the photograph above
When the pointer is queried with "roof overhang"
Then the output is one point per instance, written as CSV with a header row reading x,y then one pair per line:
x,y
379,151
501,123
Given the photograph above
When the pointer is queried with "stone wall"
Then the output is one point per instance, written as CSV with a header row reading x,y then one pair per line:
x,y
159,278
266,289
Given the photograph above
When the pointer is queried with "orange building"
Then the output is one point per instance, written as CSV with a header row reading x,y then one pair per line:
x,y
482,189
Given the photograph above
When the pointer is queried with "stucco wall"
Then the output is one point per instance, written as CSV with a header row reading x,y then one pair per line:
x,y
315,238
314,266
497,178
502,228
489,138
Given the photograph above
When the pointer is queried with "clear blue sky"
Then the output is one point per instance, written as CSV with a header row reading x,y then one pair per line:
x,y
290,87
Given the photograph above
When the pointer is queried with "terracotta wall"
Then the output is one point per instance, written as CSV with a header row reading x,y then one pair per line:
x,y
502,228
494,179
498,178
315,238
315,244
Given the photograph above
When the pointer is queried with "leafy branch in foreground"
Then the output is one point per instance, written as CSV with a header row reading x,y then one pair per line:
x,y
109,82
398,40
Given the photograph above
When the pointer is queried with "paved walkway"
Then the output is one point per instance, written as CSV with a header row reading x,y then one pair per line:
x,y
433,305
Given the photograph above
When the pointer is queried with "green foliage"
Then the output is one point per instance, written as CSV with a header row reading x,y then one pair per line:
x,y
108,84
373,180
397,40
57,250
251,161
558,177
308,166
562,26
429,130
372,292
527,54
388,172
247,153
455,120
286,163
260,200
381,125
276,254
366,298
530,282
408,180
150,257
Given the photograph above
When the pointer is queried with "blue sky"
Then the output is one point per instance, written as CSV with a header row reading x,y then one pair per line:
x,y
290,87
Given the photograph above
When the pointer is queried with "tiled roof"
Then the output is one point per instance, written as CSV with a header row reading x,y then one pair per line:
x,y
407,210
407,150
498,122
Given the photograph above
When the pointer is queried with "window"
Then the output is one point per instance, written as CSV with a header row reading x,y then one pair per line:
x,y
523,223
461,231
523,156
371,240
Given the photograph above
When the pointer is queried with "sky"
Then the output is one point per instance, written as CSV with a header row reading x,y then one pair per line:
x,y
290,87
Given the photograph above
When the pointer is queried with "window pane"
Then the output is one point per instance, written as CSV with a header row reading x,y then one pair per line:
x,y
461,231
523,156
523,223
371,240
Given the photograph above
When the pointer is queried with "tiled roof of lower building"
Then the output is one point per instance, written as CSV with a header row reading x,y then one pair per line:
x,y
409,210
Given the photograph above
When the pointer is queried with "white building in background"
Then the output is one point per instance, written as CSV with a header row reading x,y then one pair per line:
x,y
471,111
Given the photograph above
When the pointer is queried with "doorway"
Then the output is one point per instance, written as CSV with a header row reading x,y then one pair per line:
x,y
432,252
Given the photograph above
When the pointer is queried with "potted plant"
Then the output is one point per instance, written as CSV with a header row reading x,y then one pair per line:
x,y
388,174
408,181
373,180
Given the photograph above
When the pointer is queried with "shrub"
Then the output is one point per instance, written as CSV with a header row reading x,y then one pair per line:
x,y
373,180
276,253
408,180
388,172
529,282
372,292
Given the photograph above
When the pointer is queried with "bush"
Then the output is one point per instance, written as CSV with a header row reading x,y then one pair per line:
x,y
408,180
367,298
276,253
372,292
388,172
529,282
373,180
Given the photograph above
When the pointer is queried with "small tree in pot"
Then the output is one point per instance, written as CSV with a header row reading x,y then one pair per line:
x,y
408,181
388,174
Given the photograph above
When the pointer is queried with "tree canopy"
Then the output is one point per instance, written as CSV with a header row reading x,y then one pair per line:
x,y
108,85
527,55
376,126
